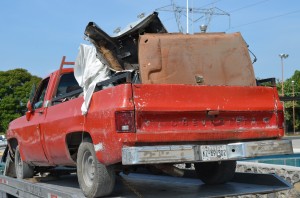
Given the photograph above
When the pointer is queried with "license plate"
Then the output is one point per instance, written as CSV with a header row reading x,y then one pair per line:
x,y
213,152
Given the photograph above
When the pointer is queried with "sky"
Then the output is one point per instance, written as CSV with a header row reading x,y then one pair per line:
x,y
35,34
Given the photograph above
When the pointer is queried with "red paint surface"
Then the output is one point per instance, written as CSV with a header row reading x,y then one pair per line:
x,y
164,114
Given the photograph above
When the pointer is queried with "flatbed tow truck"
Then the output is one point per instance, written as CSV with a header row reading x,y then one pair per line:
x,y
133,185
62,183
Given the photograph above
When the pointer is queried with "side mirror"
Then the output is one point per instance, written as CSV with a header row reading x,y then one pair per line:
x,y
29,110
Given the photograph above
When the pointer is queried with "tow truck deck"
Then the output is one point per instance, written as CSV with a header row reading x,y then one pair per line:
x,y
144,185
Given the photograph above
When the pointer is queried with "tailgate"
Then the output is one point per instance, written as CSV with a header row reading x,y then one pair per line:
x,y
203,113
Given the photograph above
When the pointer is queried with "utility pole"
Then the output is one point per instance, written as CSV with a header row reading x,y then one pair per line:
x,y
187,16
282,56
293,87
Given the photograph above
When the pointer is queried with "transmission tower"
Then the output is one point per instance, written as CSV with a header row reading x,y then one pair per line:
x,y
203,13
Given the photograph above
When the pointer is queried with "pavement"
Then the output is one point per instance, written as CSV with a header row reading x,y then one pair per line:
x,y
296,145
296,142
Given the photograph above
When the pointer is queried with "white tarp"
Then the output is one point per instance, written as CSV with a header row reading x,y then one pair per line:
x,y
89,70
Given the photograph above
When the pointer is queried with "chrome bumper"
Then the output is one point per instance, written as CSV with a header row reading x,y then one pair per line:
x,y
198,153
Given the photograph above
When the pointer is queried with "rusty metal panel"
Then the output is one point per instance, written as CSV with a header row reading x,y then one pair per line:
x,y
206,59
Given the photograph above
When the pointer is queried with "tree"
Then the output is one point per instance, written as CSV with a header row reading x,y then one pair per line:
x,y
288,91
15,86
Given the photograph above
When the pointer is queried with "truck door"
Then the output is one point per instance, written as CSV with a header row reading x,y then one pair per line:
x,y
31,143
63,116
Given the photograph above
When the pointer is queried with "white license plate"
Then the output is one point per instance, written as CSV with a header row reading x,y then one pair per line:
x,y
213,152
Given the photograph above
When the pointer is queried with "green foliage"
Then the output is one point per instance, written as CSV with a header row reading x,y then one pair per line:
x,y
15,86
288,91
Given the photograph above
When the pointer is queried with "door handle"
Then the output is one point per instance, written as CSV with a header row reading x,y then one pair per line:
x,y
41,111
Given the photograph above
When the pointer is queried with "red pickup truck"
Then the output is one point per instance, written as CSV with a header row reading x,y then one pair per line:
x,y
193,103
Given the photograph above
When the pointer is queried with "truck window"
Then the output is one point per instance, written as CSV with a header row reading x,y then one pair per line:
x,y
67,84
40,94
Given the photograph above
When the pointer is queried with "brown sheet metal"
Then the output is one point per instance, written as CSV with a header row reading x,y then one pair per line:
x,y
206,59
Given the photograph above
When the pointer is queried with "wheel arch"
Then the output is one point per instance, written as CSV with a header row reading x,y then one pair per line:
x,y
74,139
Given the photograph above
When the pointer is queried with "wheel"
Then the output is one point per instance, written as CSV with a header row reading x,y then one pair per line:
x,y
95,179
215,172
23,170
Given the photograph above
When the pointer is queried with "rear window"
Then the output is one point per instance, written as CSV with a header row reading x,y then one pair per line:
x,y
67,84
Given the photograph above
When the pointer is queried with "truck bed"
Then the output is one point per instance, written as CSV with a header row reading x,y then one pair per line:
x,y
133,185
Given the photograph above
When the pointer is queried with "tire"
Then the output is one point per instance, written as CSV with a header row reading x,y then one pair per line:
x,y
215,172
23,170
95,179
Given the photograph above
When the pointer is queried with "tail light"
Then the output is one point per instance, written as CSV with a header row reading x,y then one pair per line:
x,y
125,121
280,119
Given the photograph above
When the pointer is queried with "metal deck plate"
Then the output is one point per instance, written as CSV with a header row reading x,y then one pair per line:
x,y
151,186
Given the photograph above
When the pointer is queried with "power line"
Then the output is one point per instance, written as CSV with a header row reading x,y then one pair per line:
x,y
265,19
181,11
248,6
210,3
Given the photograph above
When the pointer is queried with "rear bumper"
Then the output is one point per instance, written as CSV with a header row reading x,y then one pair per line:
x,y
198,153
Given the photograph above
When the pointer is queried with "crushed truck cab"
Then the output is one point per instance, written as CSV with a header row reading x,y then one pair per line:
x,y
169,99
